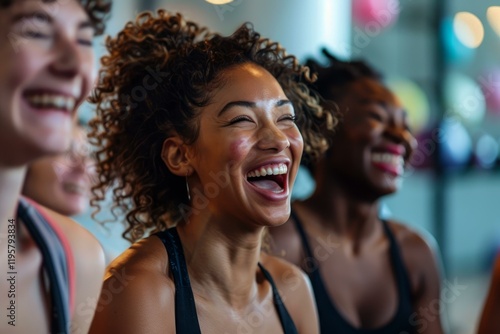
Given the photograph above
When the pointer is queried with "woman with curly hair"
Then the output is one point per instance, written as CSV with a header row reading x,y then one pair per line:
x,y
51,266
368,275
199,137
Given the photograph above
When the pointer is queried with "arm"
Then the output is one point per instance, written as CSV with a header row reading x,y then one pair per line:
x,y
305,305
89,270
489,321
427,305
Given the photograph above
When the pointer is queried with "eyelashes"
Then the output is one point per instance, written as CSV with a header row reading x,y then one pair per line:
x,y
241,119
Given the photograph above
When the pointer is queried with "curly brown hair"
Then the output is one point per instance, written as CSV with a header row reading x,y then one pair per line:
x,y
97,10
159,71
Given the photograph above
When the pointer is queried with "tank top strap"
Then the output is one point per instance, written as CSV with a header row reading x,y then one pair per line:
x,y
399,267
55,263
286,319
186,318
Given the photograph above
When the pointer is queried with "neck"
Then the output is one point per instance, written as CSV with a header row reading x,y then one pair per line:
x,y
225,255
342,211
11,182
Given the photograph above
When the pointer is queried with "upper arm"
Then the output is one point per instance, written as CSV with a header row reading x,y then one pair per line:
x,y
427,304
303,307
89,267
489,322
134,301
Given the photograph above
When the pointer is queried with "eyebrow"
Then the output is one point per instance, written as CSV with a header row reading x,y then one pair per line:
x,y
39,15
250,105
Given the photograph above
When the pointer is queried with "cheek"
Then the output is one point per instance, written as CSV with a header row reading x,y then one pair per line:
x,y
23,68
296,142
239,148
89,69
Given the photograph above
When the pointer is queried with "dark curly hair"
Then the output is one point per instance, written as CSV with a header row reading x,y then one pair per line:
x,y
97,10
159,71
333,81
333,78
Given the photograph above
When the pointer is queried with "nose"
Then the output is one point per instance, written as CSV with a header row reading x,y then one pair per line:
x,y
400,134
68,61
270,137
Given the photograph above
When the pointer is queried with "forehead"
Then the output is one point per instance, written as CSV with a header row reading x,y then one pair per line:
x,y
57,10
373,90
249,82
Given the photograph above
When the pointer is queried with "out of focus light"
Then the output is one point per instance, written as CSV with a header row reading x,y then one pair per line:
x,y
493,15
486,151
469,29
219,2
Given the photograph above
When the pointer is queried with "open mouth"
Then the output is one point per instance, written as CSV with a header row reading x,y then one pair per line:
x,y
389,162
271,177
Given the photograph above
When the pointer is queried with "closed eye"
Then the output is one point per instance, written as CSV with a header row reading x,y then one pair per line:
x,y
291,118
35,34
85,42
376,116
240,119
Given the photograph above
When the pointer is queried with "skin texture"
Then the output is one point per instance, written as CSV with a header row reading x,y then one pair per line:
x,y
52,53
341,217
62,182
489,318
222,236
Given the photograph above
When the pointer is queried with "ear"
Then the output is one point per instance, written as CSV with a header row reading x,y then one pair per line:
x,y
174,154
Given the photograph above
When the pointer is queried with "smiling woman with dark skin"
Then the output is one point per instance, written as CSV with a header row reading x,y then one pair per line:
x,y
212,147
368,275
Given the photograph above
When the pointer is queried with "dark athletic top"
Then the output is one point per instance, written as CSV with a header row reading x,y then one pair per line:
x,y
57,262
331,321
186,319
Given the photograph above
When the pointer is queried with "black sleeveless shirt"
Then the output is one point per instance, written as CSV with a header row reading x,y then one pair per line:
x,y
186,319
331,321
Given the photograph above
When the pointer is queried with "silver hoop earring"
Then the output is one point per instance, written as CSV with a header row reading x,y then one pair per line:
x,y
187,189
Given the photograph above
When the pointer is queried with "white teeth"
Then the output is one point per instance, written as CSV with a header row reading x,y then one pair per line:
x,y
388,158
269,170
55,101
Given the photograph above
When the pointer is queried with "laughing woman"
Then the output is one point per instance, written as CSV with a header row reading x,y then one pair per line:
x,y
369,276
54,266
201,132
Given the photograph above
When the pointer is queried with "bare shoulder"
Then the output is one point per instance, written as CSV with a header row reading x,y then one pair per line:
x,y
421,257
79,238
137,294
89,269
413,242
295,291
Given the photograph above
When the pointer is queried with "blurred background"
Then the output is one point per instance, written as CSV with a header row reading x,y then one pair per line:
x,y
442,58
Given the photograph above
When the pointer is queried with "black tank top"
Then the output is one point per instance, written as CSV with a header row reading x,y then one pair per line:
x,y
55,264
331,321
186,319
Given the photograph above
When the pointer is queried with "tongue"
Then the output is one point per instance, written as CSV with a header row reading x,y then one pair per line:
x,y
267,185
